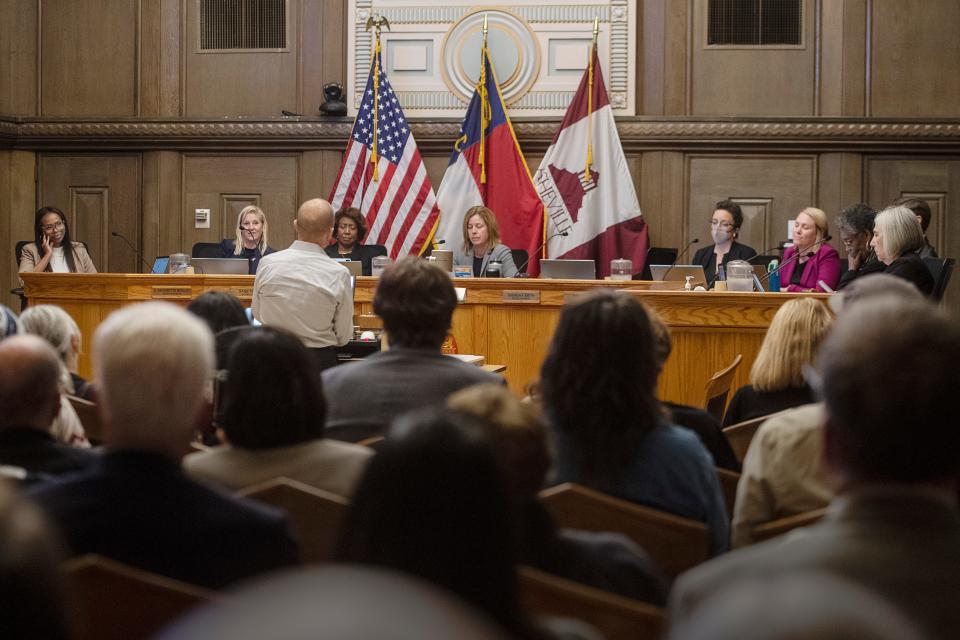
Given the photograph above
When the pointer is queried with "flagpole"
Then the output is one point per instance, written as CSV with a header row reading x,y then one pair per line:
x,y
484,103
593,53
376,23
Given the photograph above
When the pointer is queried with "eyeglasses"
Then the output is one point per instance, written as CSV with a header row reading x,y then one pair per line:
x,y
721,224
53,227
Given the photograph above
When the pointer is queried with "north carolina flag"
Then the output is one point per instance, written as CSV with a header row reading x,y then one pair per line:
x,y
597,205
382,173
489,170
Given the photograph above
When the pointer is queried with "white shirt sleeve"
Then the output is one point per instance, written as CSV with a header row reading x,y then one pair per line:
x,y
343,321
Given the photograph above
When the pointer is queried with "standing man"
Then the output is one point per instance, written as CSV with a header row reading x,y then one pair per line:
x,y
305,291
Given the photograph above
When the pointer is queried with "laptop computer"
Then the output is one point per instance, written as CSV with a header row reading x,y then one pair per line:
x,y
568,269
657,255
221,266
355,267
160,264
679,272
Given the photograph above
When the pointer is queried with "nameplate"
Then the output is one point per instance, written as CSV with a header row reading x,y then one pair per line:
x,y
242,292
573,297
524,297
171,292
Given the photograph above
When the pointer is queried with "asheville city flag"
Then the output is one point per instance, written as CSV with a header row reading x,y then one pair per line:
x,y
382,173
487,168
586,187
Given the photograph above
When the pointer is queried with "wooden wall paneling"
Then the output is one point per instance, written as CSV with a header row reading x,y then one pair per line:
x,y
323,47
651,67
676,68
661,197
843,28
248,83
99,194
914,53
752,80
171,57
89,53
7,258
840,185
207,179
789,183
18,57
160,58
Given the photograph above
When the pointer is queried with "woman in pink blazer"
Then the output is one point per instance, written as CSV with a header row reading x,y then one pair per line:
x,y
817,262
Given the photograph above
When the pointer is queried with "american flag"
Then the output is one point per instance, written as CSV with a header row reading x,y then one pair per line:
x,y
395,194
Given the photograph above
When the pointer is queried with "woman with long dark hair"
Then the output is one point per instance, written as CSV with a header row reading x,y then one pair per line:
x,y
599,384
52,249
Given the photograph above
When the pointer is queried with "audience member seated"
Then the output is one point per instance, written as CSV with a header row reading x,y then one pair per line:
x,y
897,239
416,300
776,377
152,362
349,231
30,582
921,210
706,427
30,374
887,373
598,386
220,310
55,325
52,248
855,226
724,229
783,471
433,504
608,561
818,260
271,415
481,244
251,240
9,322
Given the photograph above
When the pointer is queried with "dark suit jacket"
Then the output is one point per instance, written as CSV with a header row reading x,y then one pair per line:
x,y
910,267
140,509
904,546
40,454
228,246
709,431
870,265
705,258
365,253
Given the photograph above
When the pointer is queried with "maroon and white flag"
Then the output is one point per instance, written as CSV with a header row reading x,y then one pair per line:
x,y
586,186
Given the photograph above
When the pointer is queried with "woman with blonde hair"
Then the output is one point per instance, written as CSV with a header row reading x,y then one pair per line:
x,y
897,237
481,244
776,378
251,240
818,261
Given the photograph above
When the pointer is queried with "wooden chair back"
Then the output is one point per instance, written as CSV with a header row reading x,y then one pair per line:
x,y
728,482
89,418
781,526
108,600
717,389
675,544
315,515
206,250
616,617
740,435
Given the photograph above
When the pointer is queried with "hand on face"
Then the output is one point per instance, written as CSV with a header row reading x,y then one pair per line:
x,y
53,231
856,246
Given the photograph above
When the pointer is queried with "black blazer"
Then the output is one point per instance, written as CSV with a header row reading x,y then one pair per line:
x,y
38,453
365,253
704,258
910,267
140,509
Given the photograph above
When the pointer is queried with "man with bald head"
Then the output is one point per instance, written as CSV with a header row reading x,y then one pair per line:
x,y
305,291
29,402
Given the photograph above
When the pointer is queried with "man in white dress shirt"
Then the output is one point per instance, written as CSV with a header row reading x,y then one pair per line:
x,y
305,291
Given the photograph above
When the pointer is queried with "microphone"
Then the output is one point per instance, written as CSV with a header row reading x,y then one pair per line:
x,y
522,269
117,234
777,247
807,254
434,244
679,255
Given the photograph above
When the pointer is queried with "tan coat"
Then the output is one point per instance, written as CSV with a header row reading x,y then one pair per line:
x,y
31,256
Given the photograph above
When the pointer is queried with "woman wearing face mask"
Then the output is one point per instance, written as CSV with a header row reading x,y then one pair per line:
x,y
818,261
52,249
251,242
724,227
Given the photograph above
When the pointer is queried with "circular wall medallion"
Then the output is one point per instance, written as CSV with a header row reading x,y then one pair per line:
x,y
513,48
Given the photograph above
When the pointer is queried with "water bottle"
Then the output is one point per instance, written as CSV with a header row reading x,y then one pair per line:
x,y
773,282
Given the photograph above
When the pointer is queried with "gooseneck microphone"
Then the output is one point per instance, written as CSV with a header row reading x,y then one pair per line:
x,y
522,269
806,254
117,234
765,253
679,255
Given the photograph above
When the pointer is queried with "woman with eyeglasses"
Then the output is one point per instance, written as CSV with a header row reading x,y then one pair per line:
x,y
251,242
52,248
724,228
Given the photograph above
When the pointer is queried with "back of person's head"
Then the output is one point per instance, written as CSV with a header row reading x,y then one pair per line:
x,y
30,583
888,379
153,362
314,222
516,430
29,383
272,395
733,209
792,341
599,381
871,286
857,218
219,310
54,325
919,208
898,230
432,504
9,322
416,301
661,336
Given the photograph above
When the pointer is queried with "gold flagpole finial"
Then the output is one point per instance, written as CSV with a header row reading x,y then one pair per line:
x,y
376,22
484,30
596,28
